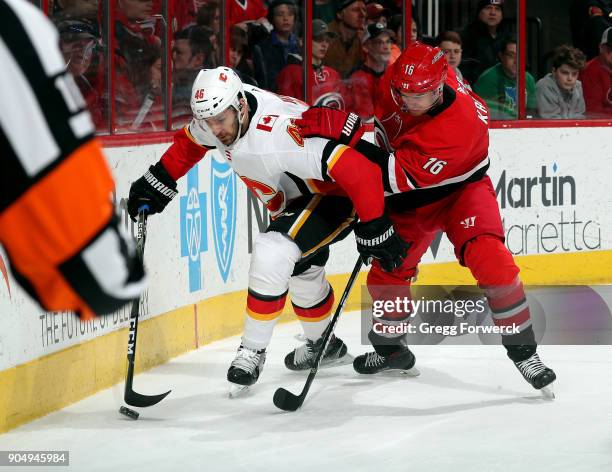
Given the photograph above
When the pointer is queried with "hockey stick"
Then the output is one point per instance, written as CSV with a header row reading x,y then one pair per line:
x,y
284,399
131,397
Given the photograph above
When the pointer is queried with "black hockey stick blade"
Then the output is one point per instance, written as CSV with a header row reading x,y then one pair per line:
x,y
136,399
284,399
287,401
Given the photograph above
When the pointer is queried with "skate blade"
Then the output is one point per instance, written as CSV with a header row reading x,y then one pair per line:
x,y
414,372
237,390
344,360
548,392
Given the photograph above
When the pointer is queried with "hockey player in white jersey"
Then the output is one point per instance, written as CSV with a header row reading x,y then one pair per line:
x,y
314,189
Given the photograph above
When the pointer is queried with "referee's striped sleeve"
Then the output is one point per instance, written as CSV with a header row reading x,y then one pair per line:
x,y
57,222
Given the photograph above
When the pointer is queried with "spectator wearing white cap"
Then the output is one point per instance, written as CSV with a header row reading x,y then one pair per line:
x,y
345,52
596,80
377,41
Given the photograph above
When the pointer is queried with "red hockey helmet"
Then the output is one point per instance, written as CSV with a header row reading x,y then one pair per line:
x,y
419,70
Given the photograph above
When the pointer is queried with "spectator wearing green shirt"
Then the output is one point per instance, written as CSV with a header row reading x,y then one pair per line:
x,y
497,85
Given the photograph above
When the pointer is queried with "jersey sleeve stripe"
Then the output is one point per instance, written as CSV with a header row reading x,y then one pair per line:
x,y
328,151
190,136
336,155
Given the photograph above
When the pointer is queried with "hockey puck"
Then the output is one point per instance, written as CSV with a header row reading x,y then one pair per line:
x,y
124,410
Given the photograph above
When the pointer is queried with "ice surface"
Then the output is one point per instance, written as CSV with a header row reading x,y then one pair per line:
x,y
469,410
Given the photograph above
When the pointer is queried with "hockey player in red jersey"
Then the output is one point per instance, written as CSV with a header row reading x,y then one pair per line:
x,y
303,183
433,139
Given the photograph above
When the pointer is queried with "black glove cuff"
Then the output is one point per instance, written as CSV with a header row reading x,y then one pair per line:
x,y
374,232
157,176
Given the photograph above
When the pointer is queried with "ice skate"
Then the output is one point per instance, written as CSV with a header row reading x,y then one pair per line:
x,y
303,357
537,374
245,369
402,360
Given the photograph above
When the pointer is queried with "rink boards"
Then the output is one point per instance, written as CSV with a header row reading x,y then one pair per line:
x,y
555,202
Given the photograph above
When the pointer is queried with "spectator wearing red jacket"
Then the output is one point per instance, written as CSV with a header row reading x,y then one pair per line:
x,y
377,41
327,85
596,80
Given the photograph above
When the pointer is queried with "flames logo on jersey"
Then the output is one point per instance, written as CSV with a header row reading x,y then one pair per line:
x,y
294,132
273,200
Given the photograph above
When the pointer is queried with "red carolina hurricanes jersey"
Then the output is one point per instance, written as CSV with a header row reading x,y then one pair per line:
x,y
327,86
246,10
446,146
362,84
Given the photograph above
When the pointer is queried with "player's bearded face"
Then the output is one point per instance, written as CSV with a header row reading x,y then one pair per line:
x,y
416,104
224,125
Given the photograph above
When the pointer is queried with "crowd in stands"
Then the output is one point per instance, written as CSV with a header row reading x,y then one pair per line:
x,y
353,43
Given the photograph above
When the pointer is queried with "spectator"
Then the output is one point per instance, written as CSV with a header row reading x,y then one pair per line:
x,y
246,10
79,43
192,48
81,9
589,19
136,44
376,13
146,74
363,82
282,42
345,51
559,93
136,10
596,80
324,10
450,43
192,51
210,15
328,88
497,85
240,56
483,38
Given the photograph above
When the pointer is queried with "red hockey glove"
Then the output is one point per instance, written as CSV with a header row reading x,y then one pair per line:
x,y
331,123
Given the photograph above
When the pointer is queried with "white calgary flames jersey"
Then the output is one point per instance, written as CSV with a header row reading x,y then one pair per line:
x,y
272,159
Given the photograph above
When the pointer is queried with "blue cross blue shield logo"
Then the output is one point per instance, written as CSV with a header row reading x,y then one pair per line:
x,y
223,208
193,229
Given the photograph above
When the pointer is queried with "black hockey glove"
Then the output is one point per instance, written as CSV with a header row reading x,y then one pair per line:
x,y
377,239
156,188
